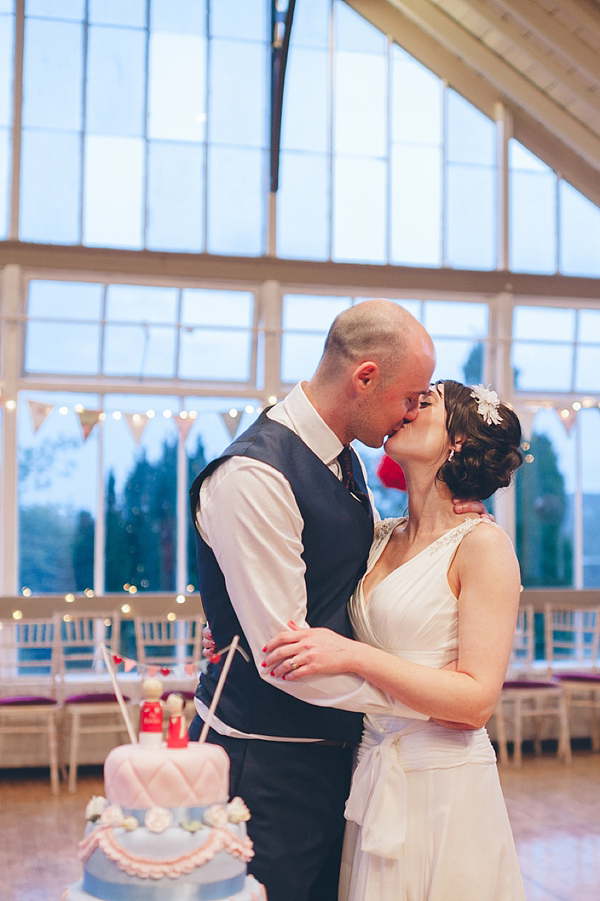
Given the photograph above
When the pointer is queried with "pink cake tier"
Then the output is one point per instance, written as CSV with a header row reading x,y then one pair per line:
x,y
165,830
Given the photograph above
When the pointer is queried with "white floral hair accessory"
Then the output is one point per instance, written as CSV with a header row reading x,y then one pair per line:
x,y
487,404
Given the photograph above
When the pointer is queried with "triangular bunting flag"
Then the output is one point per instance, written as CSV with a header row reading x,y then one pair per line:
x,y
39,412
567,416
190,669
137,422
184,426
129,664
232,423
88,419
152,671
526,418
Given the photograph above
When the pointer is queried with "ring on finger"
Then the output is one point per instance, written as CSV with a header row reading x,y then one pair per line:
x,y
294,665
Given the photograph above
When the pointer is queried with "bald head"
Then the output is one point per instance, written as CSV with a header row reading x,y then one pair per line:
x,y
378,330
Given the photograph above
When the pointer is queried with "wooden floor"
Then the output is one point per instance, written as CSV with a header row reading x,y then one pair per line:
x,y
554,810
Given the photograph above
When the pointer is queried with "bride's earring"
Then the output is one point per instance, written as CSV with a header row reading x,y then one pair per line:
x,y
451,455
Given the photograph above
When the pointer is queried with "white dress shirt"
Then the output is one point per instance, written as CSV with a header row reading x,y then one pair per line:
x,y
248,515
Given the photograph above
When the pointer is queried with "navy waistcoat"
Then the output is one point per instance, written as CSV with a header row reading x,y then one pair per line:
x,y
337,535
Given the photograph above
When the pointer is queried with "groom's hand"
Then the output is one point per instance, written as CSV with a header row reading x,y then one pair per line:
x,y
464,506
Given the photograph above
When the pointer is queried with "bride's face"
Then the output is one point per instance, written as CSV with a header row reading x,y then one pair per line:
x,y
425,438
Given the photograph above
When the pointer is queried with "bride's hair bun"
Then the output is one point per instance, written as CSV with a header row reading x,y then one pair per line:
x,y
489,454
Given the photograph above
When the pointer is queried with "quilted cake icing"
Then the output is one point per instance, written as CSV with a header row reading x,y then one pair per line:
x,y
142,777
165,830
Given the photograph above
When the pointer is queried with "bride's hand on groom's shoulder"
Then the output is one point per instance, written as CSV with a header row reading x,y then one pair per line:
x,y
299,652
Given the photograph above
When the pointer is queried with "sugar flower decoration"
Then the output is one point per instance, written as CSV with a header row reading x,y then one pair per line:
x,y
111,816
216,816
487,404
95,808
158,819
130,824
237,811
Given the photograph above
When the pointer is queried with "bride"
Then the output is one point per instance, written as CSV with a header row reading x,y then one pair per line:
x,y
434,616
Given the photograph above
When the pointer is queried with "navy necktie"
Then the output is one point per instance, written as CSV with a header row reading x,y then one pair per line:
x,y
348,480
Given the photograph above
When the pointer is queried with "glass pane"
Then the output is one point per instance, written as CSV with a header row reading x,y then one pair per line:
x,y
140,491
544,323
5,151
140,350
64,300
115,81
533,221
113,191
588,325
520,157
360,104
587,373
471,136
303,206
471,217
238,99
311,24
461,319
589,423
141,303
57,493
62,347
217,308
544,498
359,210
244,19
176,87
579,233
115,12
352,32
50,9
416,114
235,182
215,355
312,312
183,17
50,187
416,205
458,360
52,74
542,367
300,355
305,121
175,219
7,28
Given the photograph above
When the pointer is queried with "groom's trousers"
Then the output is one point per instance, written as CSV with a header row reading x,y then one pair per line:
x,y
296,794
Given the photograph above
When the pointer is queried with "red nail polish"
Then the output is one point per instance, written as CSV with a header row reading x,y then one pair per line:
x,y
272,673
263,663
265,648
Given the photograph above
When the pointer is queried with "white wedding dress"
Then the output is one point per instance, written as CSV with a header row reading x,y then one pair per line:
x,y
426,816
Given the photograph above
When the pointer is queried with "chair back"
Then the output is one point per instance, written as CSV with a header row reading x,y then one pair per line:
x,y
80,636
28,658
572,638
523,646
167,643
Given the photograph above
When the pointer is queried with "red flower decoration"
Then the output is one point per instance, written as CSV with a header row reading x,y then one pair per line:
x,y
390,474
215,658
117,659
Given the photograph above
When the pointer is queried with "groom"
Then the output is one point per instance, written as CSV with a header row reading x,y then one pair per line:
x,y
284,525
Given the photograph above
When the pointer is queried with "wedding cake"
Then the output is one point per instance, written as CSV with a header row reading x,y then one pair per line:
x,y
166,830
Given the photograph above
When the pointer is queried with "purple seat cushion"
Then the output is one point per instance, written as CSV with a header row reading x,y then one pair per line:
x,y
577,677
522,683
107,698
26,700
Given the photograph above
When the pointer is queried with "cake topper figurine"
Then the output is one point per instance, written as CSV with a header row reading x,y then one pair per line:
x,y
151,714
177,736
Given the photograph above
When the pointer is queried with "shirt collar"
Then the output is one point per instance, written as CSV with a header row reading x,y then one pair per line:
x,y
310,427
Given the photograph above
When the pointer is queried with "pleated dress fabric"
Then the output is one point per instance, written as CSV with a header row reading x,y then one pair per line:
x,y
426,816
